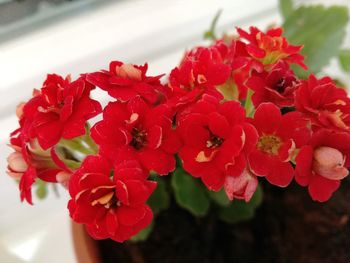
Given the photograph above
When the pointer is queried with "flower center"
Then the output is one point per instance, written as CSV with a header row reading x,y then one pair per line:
x,y
281,85
139,137
269,144
60,104
214,141
113,202
108,201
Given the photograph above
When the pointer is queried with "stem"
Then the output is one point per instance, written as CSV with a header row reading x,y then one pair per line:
x,y
210,34
248,103
89,141
76,145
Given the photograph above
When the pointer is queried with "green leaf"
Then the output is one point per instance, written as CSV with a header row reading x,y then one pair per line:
x,y
159,199
344,59
257,197
240,210
220,197
143,234
321,30
286,7
210,34
189,193
41,189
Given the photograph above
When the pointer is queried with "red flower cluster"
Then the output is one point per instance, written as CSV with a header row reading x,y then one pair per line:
x,y
323,162
58,111
288,128
261,62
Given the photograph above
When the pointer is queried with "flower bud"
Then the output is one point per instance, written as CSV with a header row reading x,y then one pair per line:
x,y
19,110
63,178
128,71
329,163
242,186
16,162
16,165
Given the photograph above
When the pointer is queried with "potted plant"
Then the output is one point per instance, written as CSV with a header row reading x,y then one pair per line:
x,y
174,170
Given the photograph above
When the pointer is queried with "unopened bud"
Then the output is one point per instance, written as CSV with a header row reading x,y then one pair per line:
x,y
329,163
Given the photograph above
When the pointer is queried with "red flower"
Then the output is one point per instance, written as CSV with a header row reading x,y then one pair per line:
x,y
60,110
126,81
271,47
133,130
324,103
110,204
276,86
215,137
200,67
323,163
278,137
234,53
200,72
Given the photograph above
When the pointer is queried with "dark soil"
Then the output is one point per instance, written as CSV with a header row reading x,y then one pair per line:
x,y
288,228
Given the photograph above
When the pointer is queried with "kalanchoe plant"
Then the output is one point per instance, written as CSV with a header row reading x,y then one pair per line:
x,y
230,114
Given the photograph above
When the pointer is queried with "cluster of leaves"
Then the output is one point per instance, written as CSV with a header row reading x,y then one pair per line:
x,y
190,194
321,30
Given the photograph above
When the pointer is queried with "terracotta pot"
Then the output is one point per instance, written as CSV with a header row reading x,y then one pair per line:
x,y
86,250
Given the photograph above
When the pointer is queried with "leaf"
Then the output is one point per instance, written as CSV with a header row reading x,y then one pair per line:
x,y
240,210
344,59
159,199
189,193
286,7
143,234
321,30
220,197
41,190
257,197
210,34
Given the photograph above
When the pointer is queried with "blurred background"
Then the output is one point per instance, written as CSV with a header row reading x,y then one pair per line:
x,y
71,37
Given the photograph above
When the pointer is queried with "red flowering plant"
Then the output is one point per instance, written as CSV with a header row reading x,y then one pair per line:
x,y
229,116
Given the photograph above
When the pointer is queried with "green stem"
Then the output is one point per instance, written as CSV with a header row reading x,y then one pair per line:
x,y
77,145
90,142
248,103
